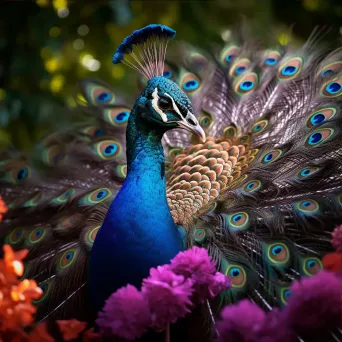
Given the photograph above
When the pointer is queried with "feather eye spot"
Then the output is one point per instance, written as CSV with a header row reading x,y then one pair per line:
x,y
270,61
174,152
239,67
320,116
285,294
308,206
199,235
92,234
206,120
229,58
107,149
45,287
252,186
191,85
238,221
330,69
117,117
246,84
22,174
110,150
278,253
318,137
229,54
239,70
167,74
271,58
64,197
312,266
37,235
15,236
327,72
122,117
104,97
230,131
271,156
332,88
237,276
67,258
317,119
95,197
259,126
290,69
308,171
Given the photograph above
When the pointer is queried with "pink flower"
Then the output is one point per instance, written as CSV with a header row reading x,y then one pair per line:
x,y
246,322
196,264
314,306
125,314
336,240
168,296
220,283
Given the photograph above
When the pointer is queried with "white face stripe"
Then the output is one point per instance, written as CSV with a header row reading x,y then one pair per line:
x,y
155,105
175,108
155,96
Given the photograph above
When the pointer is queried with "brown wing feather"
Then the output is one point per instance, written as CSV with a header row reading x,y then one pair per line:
x,y
200,175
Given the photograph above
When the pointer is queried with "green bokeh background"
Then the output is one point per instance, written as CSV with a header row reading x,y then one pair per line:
x,y
39,65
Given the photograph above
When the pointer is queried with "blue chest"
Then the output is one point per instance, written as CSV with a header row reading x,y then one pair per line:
x,y
138,232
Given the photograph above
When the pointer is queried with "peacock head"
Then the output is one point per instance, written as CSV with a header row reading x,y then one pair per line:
x,y
162,104
166,106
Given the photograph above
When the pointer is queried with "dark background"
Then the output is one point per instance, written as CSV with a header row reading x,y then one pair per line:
x,y
43,44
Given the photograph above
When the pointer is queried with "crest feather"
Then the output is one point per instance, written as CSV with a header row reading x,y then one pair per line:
x,y
144,50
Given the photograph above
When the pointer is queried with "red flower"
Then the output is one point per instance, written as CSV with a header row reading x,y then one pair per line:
x,y
71,329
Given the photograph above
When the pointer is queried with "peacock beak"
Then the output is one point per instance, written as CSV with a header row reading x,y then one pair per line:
x,y
193,127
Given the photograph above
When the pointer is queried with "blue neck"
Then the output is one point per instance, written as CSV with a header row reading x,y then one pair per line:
x,y
138,232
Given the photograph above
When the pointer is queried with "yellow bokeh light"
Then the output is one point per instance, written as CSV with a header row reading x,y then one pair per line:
x,y
283,39
118,72
52,64
71,102
2,94
311,5
60,4
54,31
57,83
81,98
42,3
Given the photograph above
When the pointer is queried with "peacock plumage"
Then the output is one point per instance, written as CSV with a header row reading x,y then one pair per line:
x,y
254,174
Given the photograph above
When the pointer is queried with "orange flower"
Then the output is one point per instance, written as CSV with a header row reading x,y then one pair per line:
x,y
3,208
13,260
40,334
90,335
27,289
71,329
333,262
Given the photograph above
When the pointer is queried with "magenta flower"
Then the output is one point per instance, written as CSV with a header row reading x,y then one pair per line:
x,y
220,283
336,240
314,306
246,322
196,264
125,314
168,296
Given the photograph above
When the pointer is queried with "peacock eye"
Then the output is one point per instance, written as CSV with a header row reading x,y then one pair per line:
x,y
164,103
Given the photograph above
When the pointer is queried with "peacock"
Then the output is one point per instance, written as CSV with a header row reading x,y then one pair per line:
x,y
237,150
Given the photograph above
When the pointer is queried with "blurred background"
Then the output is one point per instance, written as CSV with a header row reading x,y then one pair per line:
x,y
47,46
